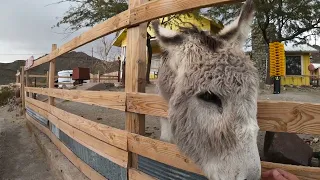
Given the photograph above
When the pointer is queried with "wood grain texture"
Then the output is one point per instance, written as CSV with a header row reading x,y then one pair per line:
x,y
37,76
140,13
169,154
110,152
135,75
150,104
27,81
110,135
160,8
82,166
109,26
160,151
292,117
275,116
22,89
112,100
302,172
135,174
52,71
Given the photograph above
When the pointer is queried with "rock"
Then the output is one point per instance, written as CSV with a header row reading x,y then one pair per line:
x,y
287,149
99,118
315,162
109,85
315,140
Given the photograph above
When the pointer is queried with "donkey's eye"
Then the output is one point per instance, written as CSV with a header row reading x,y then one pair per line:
x,y
211,98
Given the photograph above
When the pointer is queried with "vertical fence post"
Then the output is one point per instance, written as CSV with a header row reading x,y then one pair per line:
x,y
135,75
27,81
98,76
47,82
119,70
52,71
17,77
22,93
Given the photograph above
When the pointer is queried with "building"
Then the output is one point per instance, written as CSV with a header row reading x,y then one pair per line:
x,y
297,62
202,22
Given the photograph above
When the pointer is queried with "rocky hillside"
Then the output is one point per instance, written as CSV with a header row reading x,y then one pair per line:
x,y
64,62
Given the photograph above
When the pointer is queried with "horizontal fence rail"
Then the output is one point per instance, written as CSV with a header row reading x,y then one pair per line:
x,y
150,148
113,100
293,117
100,151
143,13
102,132
83,167
106,150
276,116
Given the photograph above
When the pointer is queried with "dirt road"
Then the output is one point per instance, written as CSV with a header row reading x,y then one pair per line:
x,y
20,156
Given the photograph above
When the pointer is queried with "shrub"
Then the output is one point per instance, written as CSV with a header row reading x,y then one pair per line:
x,y
6,93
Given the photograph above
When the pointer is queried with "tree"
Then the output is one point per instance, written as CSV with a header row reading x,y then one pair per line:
x,y
86,13
279,20
103,50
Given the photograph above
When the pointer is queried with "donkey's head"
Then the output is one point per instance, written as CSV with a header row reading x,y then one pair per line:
x,y
213,98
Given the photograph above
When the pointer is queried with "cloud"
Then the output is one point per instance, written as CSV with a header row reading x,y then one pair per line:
x,y
26,28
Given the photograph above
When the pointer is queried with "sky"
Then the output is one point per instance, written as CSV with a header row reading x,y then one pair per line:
x,y
26,29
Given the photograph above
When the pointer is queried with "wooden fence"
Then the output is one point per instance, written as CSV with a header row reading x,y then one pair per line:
x,y
125,150
45,79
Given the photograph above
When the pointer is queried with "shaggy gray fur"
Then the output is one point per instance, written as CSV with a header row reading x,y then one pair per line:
x,y
211,87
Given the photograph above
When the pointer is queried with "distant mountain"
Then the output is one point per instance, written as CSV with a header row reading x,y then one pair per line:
x,y
65,62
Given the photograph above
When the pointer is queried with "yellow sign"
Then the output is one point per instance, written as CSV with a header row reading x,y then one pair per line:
x,y
277,59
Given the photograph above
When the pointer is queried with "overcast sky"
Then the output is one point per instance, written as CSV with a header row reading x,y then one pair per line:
x,y
26,29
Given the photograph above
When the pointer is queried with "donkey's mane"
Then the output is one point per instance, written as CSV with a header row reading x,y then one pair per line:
x,y
205,39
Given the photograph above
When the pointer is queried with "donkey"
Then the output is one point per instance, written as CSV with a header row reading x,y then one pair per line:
x,y
211,87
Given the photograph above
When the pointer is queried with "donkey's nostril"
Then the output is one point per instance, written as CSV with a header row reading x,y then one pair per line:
x,y
210,97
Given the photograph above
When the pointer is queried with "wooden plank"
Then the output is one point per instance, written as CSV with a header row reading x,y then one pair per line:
x,y
275,116
110,135
27,81
160,8
136,74
110,152
22,90
52,71
160,151
292,117
150,104
17,77
169,154
47,79
82,166
109,26
138,14
112,100
135,174
302,172
37,76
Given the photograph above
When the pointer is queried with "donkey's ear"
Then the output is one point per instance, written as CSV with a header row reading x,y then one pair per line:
x,y
239,29
166,37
